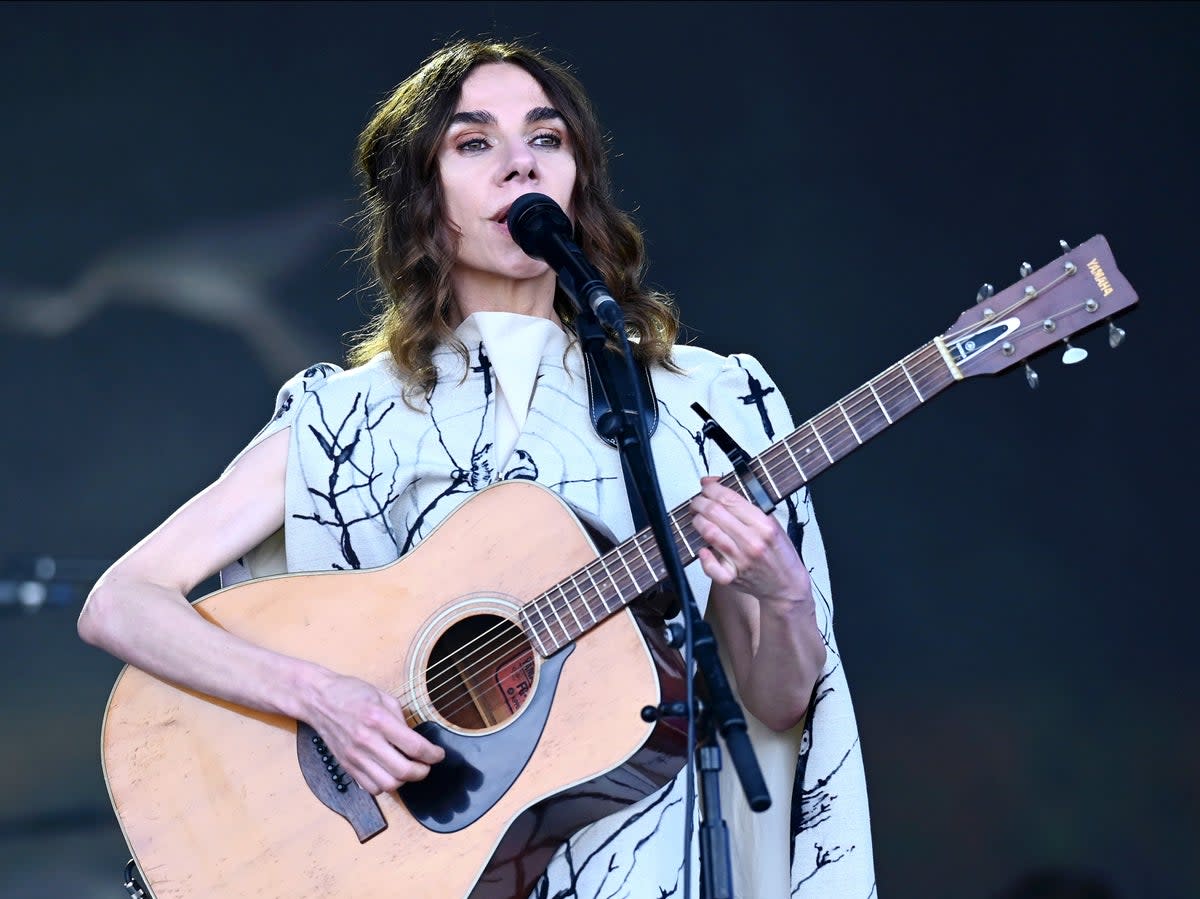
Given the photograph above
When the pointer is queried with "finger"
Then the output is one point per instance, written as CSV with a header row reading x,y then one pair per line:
x,y
368,775
411,743
387,772
761,563
403,769
741,540
718,570
764,524
736,503
713,524
384,720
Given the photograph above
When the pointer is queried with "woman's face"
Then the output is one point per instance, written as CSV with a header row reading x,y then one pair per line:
x,y
504,140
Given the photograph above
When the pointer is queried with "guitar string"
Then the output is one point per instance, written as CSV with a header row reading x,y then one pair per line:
x,y
838,412
843,442
509,647
483,642
500,645
506,630
494,645
837,436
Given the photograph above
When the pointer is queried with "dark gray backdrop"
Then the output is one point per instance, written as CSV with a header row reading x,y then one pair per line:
x,y
823,185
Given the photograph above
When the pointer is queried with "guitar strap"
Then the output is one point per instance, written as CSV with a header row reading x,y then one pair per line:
x,y
599,406
662,601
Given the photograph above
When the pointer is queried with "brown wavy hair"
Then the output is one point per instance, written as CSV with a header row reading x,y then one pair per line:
x,y
411,247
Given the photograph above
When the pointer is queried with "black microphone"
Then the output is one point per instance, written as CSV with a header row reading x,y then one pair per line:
x,y
543,231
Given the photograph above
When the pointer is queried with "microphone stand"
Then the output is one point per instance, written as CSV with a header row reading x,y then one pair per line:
x,y
723,714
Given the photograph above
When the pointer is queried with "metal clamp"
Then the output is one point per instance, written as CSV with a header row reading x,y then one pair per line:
x,y
740,459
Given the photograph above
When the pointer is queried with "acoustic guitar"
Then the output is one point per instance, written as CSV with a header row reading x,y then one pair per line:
x,y
526,664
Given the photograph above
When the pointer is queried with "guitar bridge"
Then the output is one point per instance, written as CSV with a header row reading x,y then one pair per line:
x,y
336,790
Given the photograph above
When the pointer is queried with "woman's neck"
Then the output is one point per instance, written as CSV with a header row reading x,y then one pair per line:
x,y
479,292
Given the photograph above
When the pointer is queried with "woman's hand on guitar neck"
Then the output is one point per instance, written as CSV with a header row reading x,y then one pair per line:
x,y
761,604
747,549
366,731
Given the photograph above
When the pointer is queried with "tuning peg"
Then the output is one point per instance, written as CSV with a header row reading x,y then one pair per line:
x,y
1031,377
1026,269
1066,247
1073,354
1115,335
985,292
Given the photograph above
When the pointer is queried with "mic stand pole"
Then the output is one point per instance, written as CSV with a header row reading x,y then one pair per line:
x,y
724,714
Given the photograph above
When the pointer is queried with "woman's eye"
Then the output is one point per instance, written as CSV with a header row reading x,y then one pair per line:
x,y
547,139
472,145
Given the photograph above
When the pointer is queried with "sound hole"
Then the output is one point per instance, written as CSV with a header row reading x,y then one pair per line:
x,y
480,672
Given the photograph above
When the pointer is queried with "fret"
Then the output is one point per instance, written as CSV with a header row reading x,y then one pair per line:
x,y
849,422
812,427
613,581
904,368
645,561
535,630
879,402
562,627
863,408
599,595
570,608
545,625
934,374
787,445
679,530
690,541
766,470
636,587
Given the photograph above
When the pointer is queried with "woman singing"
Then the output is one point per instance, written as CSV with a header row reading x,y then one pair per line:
x,y
471,375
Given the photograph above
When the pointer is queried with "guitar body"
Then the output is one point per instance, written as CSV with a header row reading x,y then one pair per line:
x,y
217,800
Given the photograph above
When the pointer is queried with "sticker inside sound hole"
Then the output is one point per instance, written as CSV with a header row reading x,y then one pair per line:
x,y
514,679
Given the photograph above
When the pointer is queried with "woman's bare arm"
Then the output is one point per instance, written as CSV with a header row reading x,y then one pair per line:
x,y
138,611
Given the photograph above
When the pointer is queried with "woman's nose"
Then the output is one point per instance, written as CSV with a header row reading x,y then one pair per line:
x,y
520,164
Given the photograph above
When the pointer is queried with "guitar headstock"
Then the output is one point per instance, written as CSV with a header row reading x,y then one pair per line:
x,y
1079,290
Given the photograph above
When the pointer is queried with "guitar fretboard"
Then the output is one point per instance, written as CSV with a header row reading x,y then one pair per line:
x,y
631,569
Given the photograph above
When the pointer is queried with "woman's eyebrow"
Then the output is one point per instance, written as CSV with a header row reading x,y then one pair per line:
x,y
542,114
483,117
478,117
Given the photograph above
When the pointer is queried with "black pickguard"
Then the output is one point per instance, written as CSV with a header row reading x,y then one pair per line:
x,y
478,770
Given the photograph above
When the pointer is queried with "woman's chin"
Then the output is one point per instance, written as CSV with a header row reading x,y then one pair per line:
x,y
523,268
521,274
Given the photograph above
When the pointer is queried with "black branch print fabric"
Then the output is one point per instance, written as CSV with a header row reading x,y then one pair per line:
x,y
370,475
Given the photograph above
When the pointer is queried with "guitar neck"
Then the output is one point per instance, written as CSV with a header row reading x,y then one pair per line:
x,y
634,567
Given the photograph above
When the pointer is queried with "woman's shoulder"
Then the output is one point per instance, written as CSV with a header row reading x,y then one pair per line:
x,y
699,365
378,374
329,383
